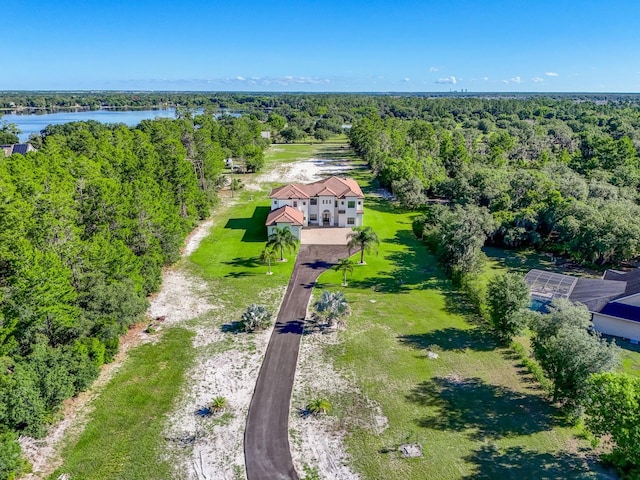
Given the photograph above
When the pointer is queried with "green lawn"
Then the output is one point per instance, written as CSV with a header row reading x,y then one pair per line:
x,y
476,414
123,439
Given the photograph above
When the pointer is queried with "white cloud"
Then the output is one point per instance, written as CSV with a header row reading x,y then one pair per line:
x,y
406,79
537,79
551,74
516,79
505,81
434,69
447,80
240,79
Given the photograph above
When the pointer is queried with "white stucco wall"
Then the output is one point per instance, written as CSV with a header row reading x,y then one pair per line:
x,y
616,326
295,230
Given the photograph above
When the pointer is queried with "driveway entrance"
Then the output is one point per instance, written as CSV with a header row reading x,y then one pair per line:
x,y
324,236
266,437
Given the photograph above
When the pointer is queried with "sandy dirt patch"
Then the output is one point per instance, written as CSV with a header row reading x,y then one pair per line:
x,y
303,171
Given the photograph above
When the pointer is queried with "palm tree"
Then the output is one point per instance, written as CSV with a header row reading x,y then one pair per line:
x,y
282,238
344,265
332,306
267,256
318,406
365,238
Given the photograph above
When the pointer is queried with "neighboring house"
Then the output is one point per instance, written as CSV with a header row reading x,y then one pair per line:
x,y
332,202
613,300
21,148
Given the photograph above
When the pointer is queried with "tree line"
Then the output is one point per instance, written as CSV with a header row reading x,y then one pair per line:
x,y
557,175
86,224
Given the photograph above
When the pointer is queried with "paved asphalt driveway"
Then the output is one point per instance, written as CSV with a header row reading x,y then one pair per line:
x,y
266,437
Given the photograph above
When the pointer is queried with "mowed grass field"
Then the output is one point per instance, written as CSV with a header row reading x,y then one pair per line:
x,y
473,410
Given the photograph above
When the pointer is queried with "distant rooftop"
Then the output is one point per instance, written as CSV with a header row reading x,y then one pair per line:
x,y
595,293
549,285
21,148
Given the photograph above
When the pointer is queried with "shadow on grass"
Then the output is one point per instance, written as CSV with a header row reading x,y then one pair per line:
x,y
246,262
481,410
622,343
233,327
459,303
451,339
242,274
254,228
410,270
518,463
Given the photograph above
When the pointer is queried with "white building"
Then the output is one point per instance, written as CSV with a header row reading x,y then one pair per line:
x,y
332,202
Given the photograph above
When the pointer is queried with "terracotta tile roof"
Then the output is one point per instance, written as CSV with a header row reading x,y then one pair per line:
x,y
326,191
339,187
288,191
285,214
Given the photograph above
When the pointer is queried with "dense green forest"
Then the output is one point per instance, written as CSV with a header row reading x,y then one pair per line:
x,y
86,225
562,175
88,221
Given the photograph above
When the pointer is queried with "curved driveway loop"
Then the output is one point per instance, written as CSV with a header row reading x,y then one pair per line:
x,y
266,437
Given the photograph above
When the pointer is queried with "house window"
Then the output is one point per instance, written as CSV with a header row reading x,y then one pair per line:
x,y
351,204
313,201
304,203
275,202
342,202
336,203
351,221
359,202
295,204
313,217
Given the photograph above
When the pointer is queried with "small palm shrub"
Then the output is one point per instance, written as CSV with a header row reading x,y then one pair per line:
x,y
218,404
319,406
332,306
256,317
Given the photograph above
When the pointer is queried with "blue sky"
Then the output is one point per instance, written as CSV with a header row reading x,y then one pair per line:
x,y
492,46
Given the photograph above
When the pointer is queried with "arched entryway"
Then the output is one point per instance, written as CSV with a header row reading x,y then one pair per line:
x,y
326,218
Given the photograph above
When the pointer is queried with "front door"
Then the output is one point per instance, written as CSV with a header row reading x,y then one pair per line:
x,y
326,218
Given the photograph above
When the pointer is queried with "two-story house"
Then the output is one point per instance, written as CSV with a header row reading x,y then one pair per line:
x,y
331,202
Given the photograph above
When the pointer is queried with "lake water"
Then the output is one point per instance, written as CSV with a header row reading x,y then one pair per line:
x,y
33,123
